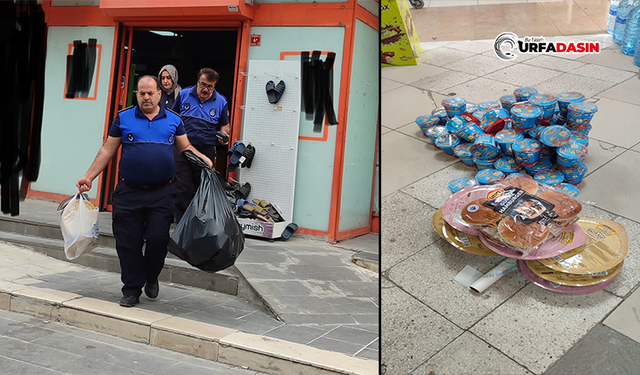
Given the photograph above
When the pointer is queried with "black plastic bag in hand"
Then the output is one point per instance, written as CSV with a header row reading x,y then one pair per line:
x,y
208,236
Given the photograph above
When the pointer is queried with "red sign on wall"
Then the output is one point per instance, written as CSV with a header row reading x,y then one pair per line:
x,y
255,39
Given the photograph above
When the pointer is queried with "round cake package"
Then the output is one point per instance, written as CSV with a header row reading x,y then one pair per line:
x,y
461,183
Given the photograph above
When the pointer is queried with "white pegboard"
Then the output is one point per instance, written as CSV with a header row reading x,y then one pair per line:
x,y
273,130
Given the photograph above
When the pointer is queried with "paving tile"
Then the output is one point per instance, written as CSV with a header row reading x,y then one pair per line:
x,y
411,73
321,319
560,321
573,82
403,161
414,131
452,3
624,318
523,75
441,82
554,63
369,354
385,130
81,365
487,2
404,230
297,333
13,366
35,354
358,288
297,288
443,56
613,58
521,57
615,123
403,105
626,91
591,355
600,153
189,368
353,335
604,73
336,345
428,46
433,188
482,90
473,46
629,276
470,355
227,322
411,331
479,65
429,276
388,85
25,332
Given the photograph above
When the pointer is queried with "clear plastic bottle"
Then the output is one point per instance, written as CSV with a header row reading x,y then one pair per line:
x,y
631,32
636,57
613,12
621,18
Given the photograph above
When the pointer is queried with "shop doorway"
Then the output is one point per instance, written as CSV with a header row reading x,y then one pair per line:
x,y
144,51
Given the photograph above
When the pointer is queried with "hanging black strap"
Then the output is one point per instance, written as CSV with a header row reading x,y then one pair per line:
x,y
328,84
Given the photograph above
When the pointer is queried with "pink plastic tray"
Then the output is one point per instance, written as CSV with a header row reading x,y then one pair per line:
x,y
563,289
453,206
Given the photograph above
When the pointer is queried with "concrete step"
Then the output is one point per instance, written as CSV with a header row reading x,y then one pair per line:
x,y
47,238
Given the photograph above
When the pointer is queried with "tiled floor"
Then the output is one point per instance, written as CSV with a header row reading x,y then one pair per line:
x,y
447,20
433,324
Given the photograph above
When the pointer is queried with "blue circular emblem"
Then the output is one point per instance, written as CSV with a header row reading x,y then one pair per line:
x,y
171,138
187,106
212,112
130,137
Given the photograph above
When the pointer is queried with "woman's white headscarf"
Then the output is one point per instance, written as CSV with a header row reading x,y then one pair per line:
x,y
173,72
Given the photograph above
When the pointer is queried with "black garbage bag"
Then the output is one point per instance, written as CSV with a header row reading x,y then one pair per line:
x,y
208,236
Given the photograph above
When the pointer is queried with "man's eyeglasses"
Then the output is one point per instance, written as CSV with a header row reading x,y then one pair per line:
x,y
205,86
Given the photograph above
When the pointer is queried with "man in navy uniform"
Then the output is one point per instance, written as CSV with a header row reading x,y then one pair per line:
x,y
204,111
142,201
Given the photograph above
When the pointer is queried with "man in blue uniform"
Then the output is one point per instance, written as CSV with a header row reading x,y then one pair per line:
x,y
204,111
142,201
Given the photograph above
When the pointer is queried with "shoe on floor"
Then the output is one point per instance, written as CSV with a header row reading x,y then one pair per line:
x,y
152,289
129,301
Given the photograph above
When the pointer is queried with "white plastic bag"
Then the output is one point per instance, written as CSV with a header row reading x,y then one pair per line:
x,y
79,225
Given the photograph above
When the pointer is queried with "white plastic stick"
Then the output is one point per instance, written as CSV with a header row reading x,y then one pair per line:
x,y
506,266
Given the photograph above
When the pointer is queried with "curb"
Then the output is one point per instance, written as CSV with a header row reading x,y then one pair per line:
x,y
208,341
367,260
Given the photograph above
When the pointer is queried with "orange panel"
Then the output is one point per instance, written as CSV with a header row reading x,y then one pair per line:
x,y
172,8
311,232
344,235
75,16
306,14
95,88
375,223
368,18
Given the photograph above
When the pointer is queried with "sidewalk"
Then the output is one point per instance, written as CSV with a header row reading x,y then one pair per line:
x,y
316,295
433,324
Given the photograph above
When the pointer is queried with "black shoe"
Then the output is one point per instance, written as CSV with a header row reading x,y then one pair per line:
x,y
129,301
152,289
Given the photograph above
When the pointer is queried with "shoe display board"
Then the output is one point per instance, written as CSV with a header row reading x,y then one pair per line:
x,y
398,38
272,128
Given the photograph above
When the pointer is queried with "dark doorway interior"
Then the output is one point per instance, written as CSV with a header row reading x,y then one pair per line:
x,y
188,51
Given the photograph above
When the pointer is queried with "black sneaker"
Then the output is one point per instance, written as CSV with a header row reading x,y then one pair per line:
x,y
152,289
129,301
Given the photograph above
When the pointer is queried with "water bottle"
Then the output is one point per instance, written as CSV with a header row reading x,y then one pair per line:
x,y
621,18
636,57
631,32
613,11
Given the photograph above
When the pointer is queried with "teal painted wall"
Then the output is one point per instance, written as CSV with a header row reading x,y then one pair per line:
x,y
362,121
72,129
372,6
314,172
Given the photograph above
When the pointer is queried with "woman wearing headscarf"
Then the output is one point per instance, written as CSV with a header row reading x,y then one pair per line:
x,y
168,77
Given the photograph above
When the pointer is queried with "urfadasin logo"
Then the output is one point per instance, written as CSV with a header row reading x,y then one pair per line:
x,y
509,39
538,45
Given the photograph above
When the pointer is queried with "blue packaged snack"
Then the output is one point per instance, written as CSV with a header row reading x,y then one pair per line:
x,y
454,106
547,103
508,101
461,183
507,165
580,115
436,131
470,108
470,132
506,138
495,120
574,174
522,94
441,113
571,154
524,116
425,122
482,164
555,136
447,142
583,131
484,147
564,99
527,151
479,114
541,165
566,188
489,176
548,153
464,153
578,137
455,123
485,106
549,177
534,132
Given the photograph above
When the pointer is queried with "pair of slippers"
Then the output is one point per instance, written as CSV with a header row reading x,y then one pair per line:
x,y
274,92
241,155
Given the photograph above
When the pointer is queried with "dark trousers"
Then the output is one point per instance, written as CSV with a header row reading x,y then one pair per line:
x,y
141,215
188,179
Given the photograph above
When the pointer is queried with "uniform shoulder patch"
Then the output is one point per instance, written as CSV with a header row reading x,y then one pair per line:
x,y
212,112
124,109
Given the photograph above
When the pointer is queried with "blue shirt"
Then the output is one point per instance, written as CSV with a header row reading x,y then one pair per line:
x,y
147,145
202,120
